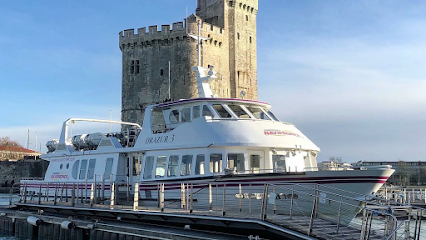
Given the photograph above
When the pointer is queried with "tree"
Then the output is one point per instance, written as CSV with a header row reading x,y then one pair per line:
x,y
5,141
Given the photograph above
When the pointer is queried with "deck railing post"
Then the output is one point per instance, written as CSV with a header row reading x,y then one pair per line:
x,y
136,197
112,203
103,186
291,201
162,197
127,188
339,214
25,192
275,202
81,194
73,195
39,195
264,209
224,201
182,195
66,192
364,224
85,188
187,196
46,194
56,194
249,198
92,195
62,191
210,197
191,201
314,210
240,191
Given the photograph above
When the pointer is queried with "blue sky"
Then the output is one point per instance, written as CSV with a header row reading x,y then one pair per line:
x,y
350,74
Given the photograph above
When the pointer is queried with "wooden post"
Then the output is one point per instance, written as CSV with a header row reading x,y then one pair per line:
x,y
136,197
56,194
191,199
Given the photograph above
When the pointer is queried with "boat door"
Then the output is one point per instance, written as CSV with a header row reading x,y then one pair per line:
x,y
134,164
257,161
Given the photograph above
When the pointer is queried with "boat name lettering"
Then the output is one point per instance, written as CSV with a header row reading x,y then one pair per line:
x,y
62,160
161,139
276,132
59,176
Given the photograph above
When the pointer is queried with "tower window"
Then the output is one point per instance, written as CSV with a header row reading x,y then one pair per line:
x,y
137,67
132,67
161,72
250,39
238,36
246,17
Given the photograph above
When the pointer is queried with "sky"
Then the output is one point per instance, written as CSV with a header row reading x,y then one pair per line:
x,y
351,75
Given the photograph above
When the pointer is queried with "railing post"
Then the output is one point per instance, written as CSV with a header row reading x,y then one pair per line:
x,y
162,197
364,224
249,198
56,194
275,202
191,201
11,195
66,192
92,195
182,197
292,201
25,192
339,214
241,195
112,203
314,211
136,197
264,209
46,193
39,195
127,188
103,186
210,198
73,195
224,201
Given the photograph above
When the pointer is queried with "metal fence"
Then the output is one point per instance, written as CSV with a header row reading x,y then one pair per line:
x,y
315,210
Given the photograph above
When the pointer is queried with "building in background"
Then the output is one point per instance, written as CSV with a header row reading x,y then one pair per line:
x,y
406,173
229,27
15,153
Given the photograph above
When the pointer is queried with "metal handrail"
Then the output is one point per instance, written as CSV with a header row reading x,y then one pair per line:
x,y
396,229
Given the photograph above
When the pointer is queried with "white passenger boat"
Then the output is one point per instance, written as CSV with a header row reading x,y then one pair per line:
x,y
202,141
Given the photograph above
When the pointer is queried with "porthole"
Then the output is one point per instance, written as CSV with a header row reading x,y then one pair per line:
x,y
68,165
60,167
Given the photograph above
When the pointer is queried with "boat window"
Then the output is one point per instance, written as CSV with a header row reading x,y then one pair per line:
x,y
195,112
60,167
273,116
221,110
206,111
149,163
279,163
174,116
136,166
236,162
91,171
185,167
215,163
68,165
172,169
75,166
160,168
199,165
255,163
258,113
239,111
108,168
186,115
83,169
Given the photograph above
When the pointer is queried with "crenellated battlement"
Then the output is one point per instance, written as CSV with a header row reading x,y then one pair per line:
x,y
168,34
251,6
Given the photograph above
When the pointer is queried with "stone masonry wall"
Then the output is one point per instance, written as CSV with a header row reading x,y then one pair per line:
x,y
231,27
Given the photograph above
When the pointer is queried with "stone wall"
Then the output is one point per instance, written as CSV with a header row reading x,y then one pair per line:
x,y
16,170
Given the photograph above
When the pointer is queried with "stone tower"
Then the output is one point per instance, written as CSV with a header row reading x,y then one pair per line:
x,y
231,48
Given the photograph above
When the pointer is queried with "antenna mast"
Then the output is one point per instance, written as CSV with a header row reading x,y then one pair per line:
x,y
28,139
